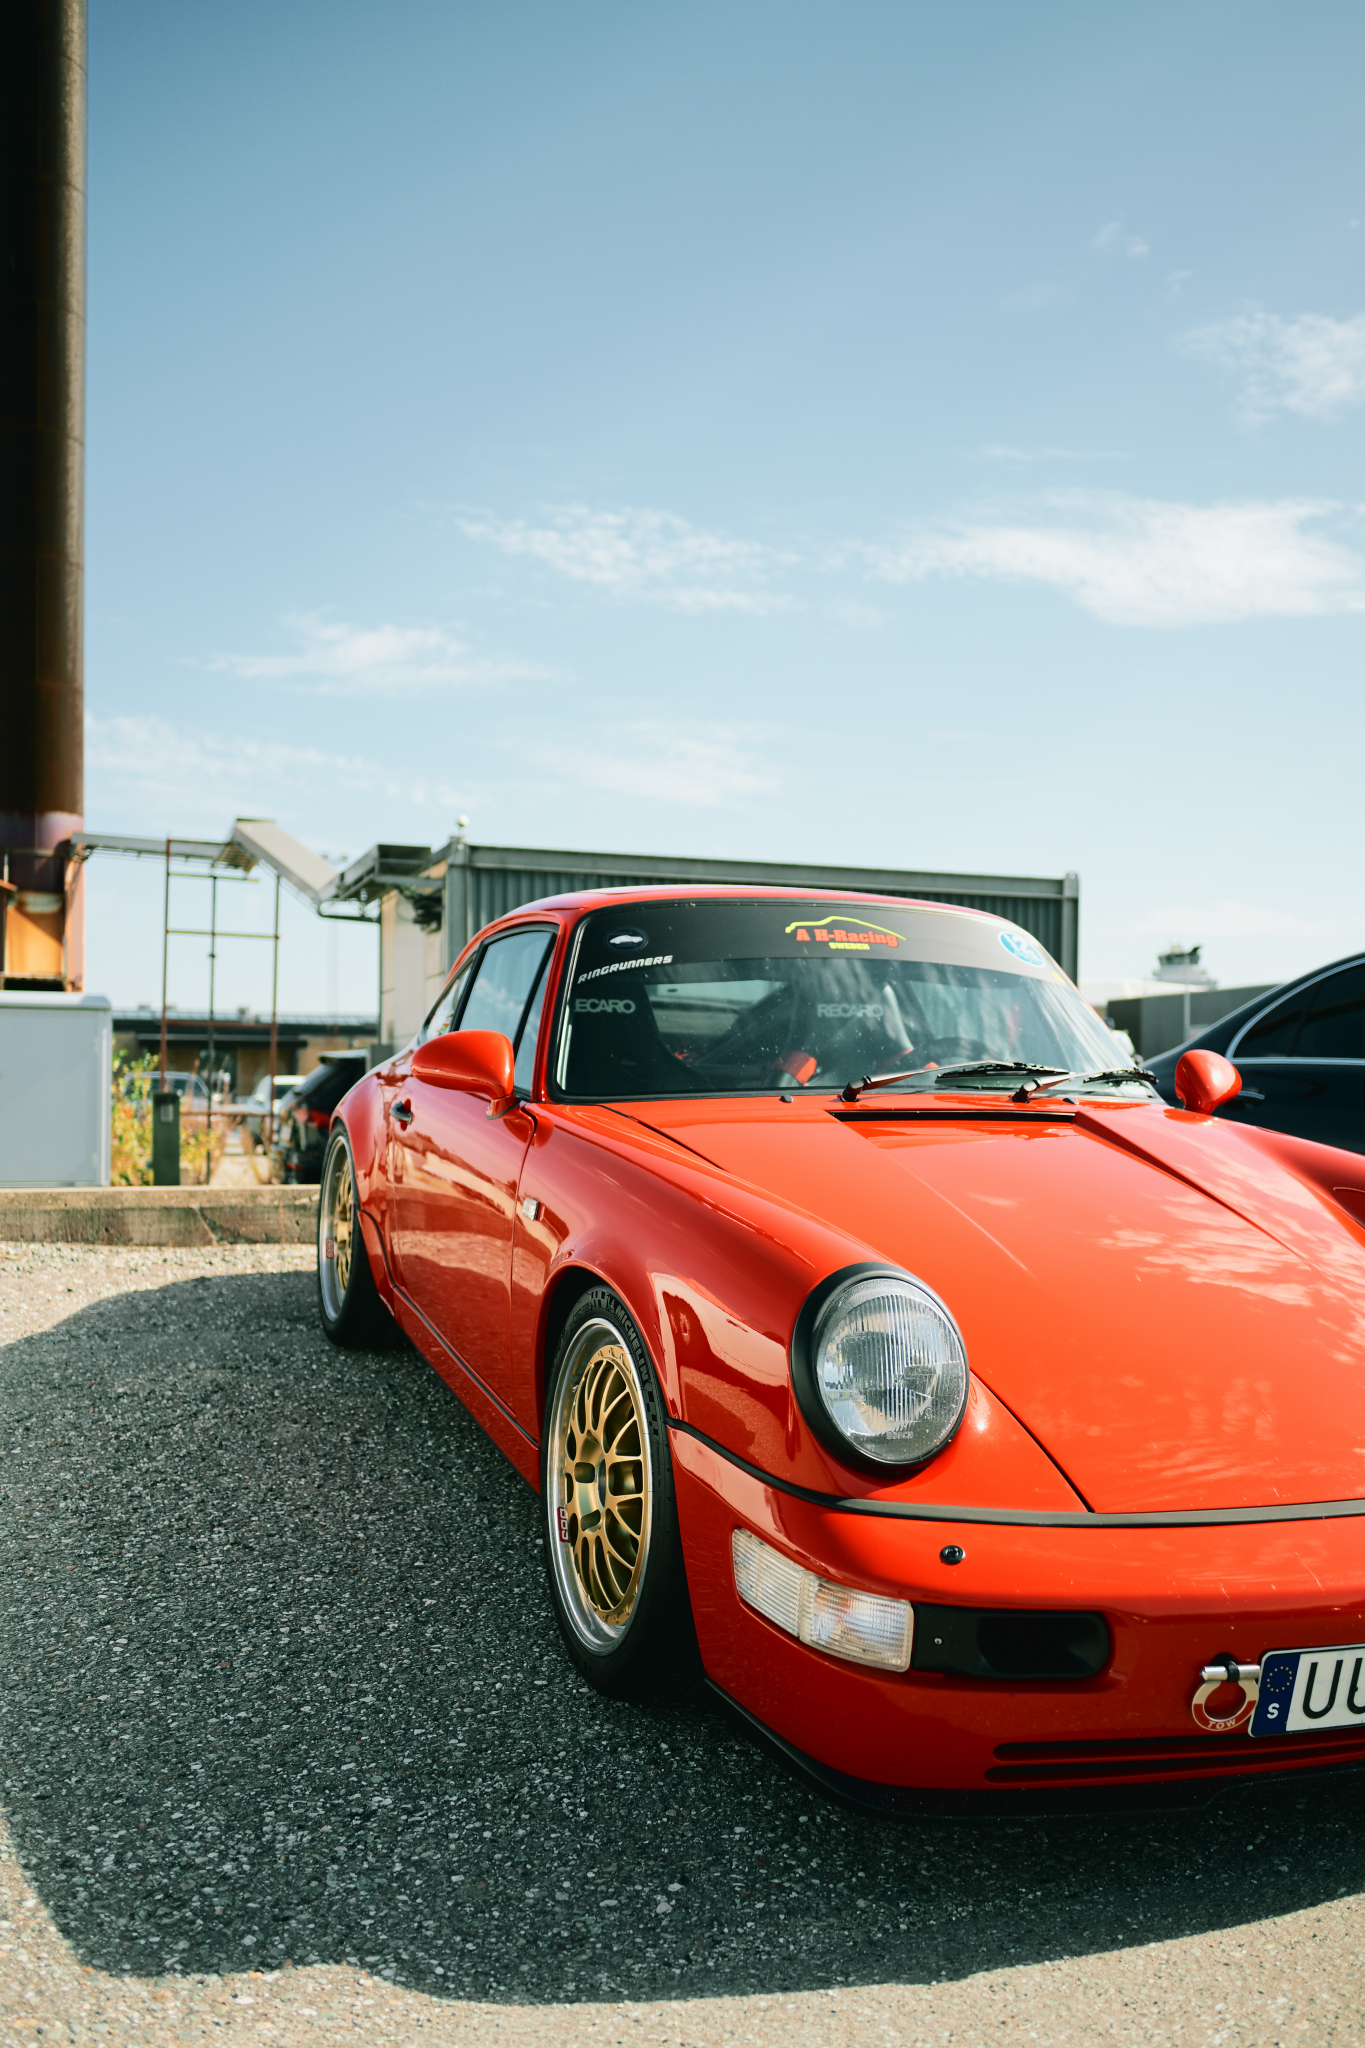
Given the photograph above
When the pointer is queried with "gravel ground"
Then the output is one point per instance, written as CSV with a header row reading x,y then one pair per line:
x,y
282,1695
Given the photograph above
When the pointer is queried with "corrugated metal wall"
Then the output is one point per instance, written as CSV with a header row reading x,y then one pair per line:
x,y
496,891
484,883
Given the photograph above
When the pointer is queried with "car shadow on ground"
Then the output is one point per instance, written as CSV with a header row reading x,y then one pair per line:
x,y
282,1682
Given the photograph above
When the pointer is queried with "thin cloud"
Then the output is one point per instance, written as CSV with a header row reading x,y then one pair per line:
x,y
647,556
190,777
1141,562
169,766
705,768
1312,365
1114,239
333,658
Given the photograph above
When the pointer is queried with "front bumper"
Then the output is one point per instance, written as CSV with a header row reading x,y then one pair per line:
x,y
1175,1599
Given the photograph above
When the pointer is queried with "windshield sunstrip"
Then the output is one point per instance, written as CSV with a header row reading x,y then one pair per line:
x,y
776,995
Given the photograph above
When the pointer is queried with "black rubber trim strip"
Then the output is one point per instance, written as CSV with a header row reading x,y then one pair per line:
x,y
1030,1518
955,1116
408,1302
1028,1802
456,1359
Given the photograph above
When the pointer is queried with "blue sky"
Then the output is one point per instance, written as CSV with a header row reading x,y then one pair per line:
x,y
922,436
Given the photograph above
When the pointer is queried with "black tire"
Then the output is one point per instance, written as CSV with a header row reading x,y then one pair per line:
x,y
349,1308
618,1583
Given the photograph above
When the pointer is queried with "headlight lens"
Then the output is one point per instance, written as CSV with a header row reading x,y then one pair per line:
x,y
890,1369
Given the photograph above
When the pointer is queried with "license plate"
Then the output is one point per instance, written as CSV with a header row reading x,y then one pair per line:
x,y
1303,1689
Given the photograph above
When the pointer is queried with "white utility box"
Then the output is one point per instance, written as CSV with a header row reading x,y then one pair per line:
x,y
56,1059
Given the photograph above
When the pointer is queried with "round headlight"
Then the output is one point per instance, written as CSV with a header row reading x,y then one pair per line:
x,y
887,1366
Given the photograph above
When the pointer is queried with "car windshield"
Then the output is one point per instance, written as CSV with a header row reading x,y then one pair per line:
x,y
736,997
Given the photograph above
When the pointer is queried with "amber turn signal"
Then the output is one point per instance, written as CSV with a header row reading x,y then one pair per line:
x,y
1205,1079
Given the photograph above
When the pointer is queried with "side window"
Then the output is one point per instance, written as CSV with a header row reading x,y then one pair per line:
x,y
530,1032
1272,1036
442,1018
505,981
1334,1028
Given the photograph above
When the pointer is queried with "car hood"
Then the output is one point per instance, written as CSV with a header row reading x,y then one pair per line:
x,y
1177,1319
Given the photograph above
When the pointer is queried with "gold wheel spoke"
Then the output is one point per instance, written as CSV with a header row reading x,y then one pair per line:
x,y
603,1469
341,1219
627,1515
617,1421
609,1571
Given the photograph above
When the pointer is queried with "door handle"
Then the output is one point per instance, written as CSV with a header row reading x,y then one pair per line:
x,y
401,1112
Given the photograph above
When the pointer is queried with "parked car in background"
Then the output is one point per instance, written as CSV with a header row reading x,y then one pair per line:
x,y
1300,1051
304,1117
259,1099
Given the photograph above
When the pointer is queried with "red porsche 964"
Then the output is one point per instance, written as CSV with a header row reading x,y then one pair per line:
x,y
984,1429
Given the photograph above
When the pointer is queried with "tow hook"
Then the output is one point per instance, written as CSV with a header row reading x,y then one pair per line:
x,y
1226,1671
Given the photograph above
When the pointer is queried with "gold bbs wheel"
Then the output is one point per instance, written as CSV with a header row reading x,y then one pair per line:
x,y
599,1459
336,1228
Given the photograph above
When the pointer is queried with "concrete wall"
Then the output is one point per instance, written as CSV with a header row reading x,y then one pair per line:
x,y
412,966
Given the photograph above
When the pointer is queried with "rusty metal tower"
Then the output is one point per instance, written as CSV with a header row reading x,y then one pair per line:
x,y
42,489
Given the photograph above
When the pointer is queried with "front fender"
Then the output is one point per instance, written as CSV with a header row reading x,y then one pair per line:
x,y
713,1273
362,1112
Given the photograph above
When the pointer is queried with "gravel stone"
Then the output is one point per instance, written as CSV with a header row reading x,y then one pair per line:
x,y
282,1693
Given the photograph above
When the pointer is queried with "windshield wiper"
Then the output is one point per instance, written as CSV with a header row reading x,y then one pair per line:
x,y
1115,1076
853,1089
1034,1077
964,1067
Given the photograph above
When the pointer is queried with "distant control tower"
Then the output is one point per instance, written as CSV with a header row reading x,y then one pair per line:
x,y
42,489
1181,964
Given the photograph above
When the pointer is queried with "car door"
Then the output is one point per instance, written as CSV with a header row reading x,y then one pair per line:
x,y
455,1168
1303,1063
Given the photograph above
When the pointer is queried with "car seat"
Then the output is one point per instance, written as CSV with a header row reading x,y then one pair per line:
x,y
616,1049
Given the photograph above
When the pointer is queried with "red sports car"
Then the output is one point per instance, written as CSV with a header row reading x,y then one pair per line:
x,y
987,1431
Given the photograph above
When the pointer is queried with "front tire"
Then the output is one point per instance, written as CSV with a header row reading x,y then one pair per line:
x,y
612,1544
349,1308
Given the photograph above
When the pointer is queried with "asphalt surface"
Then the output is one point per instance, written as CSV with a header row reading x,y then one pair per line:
x,y
281,1686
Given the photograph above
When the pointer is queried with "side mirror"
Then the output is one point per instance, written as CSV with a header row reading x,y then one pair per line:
x,y
1204,1080
476,1062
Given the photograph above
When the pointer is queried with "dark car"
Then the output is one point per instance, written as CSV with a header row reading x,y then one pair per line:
x,y
304,1117
1301,1054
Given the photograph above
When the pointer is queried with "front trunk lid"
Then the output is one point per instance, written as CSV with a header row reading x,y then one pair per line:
x,y
1180,1325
